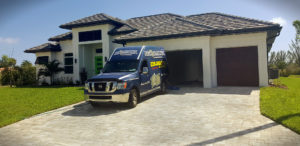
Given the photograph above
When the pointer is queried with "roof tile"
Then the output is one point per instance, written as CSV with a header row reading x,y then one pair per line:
x,y
46,47
93,20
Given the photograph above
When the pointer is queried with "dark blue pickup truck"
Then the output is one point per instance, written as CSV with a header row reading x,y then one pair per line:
x,y
129,74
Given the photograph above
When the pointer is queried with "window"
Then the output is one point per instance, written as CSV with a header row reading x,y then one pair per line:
x,y
144,64
42,60
99,50
69,63
121,66
90,35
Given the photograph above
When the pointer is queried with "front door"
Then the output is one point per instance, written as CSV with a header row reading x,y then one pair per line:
x,y
145,78
98,64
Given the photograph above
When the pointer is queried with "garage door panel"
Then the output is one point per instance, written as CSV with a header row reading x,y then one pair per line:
x,y
237,66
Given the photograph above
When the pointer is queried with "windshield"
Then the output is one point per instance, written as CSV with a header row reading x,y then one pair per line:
x,y
121,66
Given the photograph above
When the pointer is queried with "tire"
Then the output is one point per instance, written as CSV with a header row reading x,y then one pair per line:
x,y
163,87
133,98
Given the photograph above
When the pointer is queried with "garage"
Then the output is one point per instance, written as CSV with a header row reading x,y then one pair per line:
x,y
185,67
237,66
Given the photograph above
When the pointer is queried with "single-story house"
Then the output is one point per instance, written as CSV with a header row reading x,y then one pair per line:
x,y
214,49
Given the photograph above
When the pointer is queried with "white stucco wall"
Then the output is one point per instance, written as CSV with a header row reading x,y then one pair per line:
x,y
251,39
38,67
210,44
106,43
66,47
115,45
191,43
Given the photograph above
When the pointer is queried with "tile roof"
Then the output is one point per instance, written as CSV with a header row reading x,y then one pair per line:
x,y
93,20
46,47
137,23
218,23
228,22
166,25
172,28
62,37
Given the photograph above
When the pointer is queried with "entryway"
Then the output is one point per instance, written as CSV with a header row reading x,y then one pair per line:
x,y
91,58
185,67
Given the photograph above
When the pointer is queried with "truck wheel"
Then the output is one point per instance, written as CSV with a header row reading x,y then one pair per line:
x,y
163,87
133,98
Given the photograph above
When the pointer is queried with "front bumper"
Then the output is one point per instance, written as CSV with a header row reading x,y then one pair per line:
x,y
107,98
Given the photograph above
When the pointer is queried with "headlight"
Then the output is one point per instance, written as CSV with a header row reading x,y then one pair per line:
x,y
86,86
122,85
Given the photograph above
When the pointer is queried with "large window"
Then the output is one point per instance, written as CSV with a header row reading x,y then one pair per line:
x,y
121,66
69,63
42,60
90,35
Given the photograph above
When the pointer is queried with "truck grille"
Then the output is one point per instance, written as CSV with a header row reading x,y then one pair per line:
x,y
102,86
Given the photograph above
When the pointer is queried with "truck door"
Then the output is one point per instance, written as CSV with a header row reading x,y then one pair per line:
x,y
144,78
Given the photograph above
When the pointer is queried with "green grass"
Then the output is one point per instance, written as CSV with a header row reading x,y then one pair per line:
x,y
20,103
283,105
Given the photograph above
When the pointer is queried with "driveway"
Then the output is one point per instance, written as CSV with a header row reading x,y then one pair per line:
x,y
189,116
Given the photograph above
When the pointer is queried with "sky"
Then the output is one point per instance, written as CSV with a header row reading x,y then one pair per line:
x,y
26,24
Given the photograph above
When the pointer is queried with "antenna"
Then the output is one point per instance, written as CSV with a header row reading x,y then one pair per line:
x,y
12,52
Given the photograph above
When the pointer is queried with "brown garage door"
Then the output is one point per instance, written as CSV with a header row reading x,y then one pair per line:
x,y
237,66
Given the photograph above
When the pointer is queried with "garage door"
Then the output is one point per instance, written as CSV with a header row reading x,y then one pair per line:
x,y
185,66
237,66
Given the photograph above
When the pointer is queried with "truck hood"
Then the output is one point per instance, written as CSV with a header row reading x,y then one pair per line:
x,y
113,76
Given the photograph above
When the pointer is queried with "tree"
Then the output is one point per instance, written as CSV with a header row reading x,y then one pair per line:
x,y
28,73
5,61
50,69
296,24
294,51
272,58
26,63
19,75
281,60
8,64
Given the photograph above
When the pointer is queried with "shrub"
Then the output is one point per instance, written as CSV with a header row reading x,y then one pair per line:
x,y
284,73
293,69
28,73
19,76
63,81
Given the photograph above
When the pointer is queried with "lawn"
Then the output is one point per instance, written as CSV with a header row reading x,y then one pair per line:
x,y
19,103
283,105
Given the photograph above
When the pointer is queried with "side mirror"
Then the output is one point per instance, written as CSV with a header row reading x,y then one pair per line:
x,y
145,70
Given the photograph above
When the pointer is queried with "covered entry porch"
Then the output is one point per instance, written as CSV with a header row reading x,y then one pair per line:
x,y
91,58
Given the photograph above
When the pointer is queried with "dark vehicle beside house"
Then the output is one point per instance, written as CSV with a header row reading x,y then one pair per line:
x,y
129,74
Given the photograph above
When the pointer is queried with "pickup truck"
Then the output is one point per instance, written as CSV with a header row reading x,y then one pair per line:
x,y
130,74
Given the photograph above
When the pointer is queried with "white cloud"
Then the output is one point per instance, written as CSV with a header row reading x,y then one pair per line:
x,y
279,20
8,40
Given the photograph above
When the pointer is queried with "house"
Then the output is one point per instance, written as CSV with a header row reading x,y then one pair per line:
x,y
214,49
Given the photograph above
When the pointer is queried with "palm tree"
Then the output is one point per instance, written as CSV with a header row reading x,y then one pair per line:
x,y
50,70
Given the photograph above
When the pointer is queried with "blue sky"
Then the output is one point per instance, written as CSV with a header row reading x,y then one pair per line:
x,y
27,24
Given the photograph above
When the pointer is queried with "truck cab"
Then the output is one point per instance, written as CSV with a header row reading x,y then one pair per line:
x,y
130,74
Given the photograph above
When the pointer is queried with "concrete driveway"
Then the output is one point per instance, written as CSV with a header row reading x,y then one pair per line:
x,y
189,116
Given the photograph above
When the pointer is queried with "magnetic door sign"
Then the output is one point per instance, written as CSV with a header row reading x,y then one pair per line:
x,y
155,80
126,52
